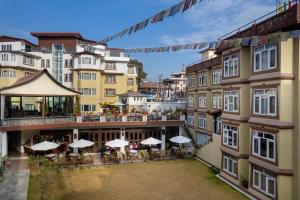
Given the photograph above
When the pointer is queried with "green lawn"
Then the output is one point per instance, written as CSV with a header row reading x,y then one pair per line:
x,y
162,180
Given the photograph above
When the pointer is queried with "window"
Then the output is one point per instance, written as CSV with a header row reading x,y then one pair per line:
x,y
87,91
43,63
263,181
110,79
231,101
264,145
217,76
202,79
130,81
48,63
68,78
71,63
110,92
29,107
87,76
230,136
85,60
191,81
7,74
230,164
264,102
110,66
6,47
217,100
88,108
202,121
66,63
28,60
217,125
4,57
190,120
202,139
13,57
94,61
265,57
191,101
202,101
231,65
130,70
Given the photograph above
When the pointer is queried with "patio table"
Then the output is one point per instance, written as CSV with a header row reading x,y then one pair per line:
x,y
51,155
107,152
133,151
155,150
73,154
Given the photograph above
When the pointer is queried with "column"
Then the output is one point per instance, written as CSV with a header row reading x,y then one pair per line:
x,y
180,131
43,107
75,139
163,138
2,108
122,137
3,144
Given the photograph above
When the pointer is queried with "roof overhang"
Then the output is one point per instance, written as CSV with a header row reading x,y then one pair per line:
x,y
38,84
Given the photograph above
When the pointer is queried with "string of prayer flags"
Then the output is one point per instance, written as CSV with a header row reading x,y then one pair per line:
x,y
182,6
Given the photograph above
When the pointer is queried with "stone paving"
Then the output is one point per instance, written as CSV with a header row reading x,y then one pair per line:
x,y
15,184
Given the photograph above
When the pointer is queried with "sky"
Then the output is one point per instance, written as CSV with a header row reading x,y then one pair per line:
x,y
97,19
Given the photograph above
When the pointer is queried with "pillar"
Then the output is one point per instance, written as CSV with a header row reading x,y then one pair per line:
x,y
122,137
163,138
2,101
43,107
102,118
180,130
164,118
124,118
3,144
75,139
145,118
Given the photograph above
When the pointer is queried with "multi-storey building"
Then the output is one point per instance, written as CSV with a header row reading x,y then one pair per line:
x,y
243,107
175,87
98,72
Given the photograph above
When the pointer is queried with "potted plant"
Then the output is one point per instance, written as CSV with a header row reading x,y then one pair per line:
x,y
245,183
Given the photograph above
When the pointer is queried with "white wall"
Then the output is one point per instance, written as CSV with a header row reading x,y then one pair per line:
x,y
162,106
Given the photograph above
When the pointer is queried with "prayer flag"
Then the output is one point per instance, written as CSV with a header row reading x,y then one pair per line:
x,y
187,5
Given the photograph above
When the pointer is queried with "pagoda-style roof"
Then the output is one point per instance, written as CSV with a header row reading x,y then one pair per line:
x,y
40,83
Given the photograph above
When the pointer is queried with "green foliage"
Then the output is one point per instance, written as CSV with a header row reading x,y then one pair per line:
x,y
77,106
141,74
45,172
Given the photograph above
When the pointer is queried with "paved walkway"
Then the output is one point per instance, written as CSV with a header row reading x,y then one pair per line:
x,y
15,184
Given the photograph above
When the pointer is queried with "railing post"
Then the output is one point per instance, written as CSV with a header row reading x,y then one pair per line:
x,y
124,118
102,118
164,118
163,138
145,118
78,118
182,117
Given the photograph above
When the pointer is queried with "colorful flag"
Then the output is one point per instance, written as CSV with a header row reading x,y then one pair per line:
x,y
187,5
194,2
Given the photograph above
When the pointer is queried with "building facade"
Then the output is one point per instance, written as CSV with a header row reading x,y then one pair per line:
x,y
243,108
98,72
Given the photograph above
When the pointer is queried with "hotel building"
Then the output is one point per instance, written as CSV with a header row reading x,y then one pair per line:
x,y
98,72
243,108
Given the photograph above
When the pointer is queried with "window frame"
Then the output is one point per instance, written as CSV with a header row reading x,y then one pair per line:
x,y
259,51
268,177
216,75
226,97
202,79
260,98
202,123
227,61
255,136
234,136
226,161
202,101
217,100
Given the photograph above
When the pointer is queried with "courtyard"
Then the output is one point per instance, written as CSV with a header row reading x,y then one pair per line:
x,y
162,180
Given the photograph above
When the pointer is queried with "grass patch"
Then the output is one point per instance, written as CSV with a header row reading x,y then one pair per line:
x,y
164,180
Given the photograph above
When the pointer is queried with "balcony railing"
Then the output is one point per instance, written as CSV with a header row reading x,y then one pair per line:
x,y
36,121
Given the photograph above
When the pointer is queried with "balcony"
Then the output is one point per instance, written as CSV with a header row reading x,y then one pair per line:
x,y
36,121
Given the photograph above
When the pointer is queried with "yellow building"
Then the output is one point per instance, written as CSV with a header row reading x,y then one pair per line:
x,y
98,72
243,108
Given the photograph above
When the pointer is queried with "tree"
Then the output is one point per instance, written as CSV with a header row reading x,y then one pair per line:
x,y
140,67
45,173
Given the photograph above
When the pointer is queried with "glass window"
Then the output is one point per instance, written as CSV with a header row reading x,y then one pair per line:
x,y
231,65
265,57
110,66
110,92
263,181
230,136
130,70
264,145
191,81
202,121
190,120
217,100
202,101
231,101
217,76
265,102
130,81
217,125
110,79
191,101
202,79
202,138
230,164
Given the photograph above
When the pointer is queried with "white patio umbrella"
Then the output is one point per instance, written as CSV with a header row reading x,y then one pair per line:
x,y
180,139
81,144
116,143
44,146
151,141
